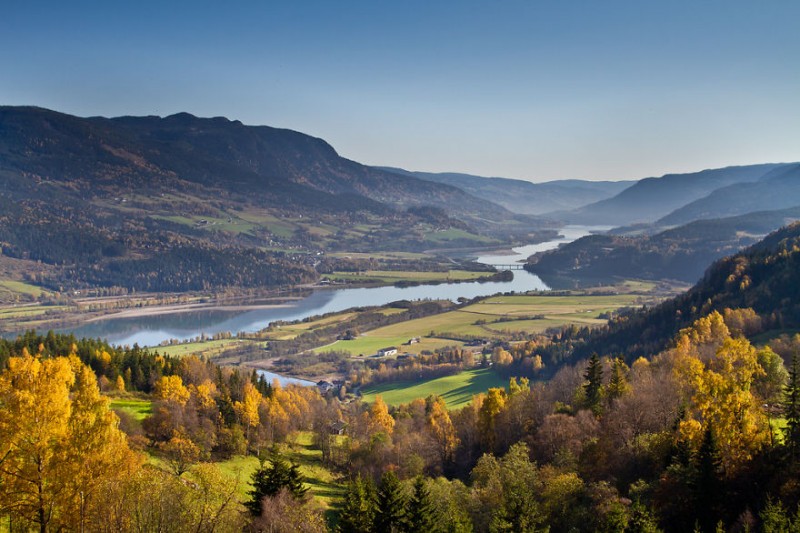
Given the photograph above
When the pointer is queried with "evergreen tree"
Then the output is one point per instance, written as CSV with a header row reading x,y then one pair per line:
x,y
708,485
594,383
391,511
791,409
358,510
618,384
419,515
271,478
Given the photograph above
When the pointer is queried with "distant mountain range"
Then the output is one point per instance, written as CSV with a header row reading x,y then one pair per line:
x,y
522,196
777,189
650,199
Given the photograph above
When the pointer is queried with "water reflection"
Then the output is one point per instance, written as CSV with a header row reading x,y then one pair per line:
x,y
152,330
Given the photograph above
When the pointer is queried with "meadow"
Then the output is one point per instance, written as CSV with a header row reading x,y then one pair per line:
x,y
457,390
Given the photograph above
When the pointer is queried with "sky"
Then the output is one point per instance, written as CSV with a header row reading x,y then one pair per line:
x,y
534,90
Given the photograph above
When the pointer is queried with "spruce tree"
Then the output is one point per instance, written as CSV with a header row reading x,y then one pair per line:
x,y
391,511
791,410
419,514
358,510
270,478
594,383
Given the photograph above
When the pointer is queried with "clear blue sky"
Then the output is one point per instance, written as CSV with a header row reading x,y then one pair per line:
x,y
527,89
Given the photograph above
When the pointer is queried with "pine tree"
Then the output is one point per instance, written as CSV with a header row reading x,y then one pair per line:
x,y
390,513
594,383
709,484
791,409
419,515
271,478
358,510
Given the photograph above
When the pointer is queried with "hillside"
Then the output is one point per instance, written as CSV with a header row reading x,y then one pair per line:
x,y
133,152
764,277
652,198
187,203
777,189
681,253
522,196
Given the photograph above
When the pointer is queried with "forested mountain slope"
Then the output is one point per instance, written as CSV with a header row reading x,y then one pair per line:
x,y
682,253
764,277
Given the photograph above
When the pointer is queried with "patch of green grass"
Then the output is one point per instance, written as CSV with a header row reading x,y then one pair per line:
x,y
322,483
21,287
457,390
209,348
136,408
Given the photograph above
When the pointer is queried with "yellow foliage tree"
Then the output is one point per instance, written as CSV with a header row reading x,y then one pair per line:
x,y
719,392
59,443
493,405
379,418
170,388
441,426
247,409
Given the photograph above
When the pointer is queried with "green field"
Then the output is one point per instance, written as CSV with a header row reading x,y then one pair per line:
x,y
492,318
138,409
457,391
20,287
209,348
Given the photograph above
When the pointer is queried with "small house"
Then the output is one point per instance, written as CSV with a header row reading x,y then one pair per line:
x,y
385,352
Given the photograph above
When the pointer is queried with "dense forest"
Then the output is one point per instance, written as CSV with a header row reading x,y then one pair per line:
x,y
681,253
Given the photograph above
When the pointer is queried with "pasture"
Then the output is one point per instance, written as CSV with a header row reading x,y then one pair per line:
x,y
457,390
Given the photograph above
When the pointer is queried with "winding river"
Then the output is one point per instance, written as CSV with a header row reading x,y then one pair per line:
x,y
152,330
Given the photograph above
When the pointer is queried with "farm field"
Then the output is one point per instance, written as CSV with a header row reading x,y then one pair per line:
x,y
457,390
491,318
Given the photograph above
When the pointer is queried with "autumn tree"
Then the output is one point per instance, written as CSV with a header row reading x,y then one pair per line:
x,y
171,388
59,443
441,426
720,396
492,406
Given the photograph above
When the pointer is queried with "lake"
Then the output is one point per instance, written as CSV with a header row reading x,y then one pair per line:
x,y
152,330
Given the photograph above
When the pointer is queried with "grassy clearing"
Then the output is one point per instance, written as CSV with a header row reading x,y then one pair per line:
x,y
136,408
457,391
209,348
20,287
321,482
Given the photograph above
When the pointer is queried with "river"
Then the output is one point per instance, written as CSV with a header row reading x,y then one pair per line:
x,y
152,330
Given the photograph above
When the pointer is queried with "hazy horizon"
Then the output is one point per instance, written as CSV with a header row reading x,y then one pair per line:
x,y
526,90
